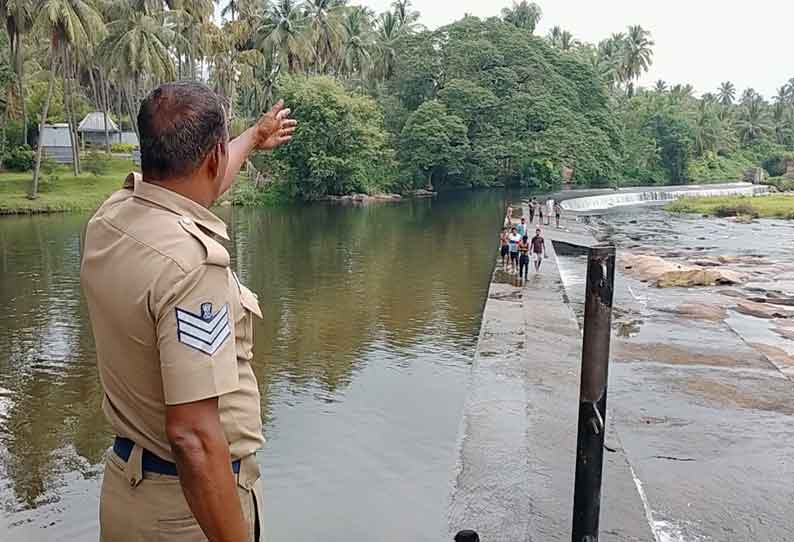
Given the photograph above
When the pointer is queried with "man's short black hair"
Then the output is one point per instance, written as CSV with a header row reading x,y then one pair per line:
x,y
179,124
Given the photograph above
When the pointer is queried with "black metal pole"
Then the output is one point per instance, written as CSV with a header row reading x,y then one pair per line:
x,y
593,392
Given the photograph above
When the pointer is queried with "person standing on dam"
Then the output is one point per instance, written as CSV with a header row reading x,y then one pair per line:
x,y
523,258
538,249
522,227
533,205
504,247
557,212
513,240
173,327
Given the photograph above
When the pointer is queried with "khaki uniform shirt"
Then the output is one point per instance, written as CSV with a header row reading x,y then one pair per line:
x,y
172,323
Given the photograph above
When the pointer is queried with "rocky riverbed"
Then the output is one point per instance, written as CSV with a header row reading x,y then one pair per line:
x,y
702,374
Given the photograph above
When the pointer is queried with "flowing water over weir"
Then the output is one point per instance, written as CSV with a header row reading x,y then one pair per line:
x,y
638,196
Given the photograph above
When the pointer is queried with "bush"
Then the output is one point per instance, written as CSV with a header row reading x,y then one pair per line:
x,y
122,147
735,209
246,194
781,183
21,158
775,165
97,163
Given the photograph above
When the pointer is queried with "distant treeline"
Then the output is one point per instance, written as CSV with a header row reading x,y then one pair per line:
x,y
384,103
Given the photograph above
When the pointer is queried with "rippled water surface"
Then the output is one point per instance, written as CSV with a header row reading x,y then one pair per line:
x,y
371,318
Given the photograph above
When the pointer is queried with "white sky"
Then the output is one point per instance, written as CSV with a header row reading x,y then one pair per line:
x,y
702,42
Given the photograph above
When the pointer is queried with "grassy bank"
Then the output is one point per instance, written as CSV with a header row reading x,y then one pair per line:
x,y
776,206
61,190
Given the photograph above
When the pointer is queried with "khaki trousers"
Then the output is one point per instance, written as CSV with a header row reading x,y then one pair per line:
x,y
145,507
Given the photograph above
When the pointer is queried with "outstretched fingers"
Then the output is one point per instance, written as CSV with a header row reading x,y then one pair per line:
x,y
282,114
277,108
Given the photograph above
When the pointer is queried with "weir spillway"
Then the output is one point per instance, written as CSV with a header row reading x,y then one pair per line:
x,y
652,195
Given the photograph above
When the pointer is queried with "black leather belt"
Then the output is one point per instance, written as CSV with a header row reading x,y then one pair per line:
x,y
152,463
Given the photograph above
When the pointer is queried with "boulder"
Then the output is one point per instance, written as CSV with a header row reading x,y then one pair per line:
x,y
667,274
762,310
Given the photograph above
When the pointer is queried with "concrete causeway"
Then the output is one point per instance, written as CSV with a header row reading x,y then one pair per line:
x,y
515,474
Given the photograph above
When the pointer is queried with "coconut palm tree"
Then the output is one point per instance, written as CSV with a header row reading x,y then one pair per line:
x,y
356,55
749,95
70,25
137,52
753,122
660,87
637,55
17,15
727,93
230,10
402,10
783,95
387,31
610,58
324,24
280,34
562,39
523,14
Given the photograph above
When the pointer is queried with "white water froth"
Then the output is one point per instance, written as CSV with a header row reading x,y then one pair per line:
x,y
640,196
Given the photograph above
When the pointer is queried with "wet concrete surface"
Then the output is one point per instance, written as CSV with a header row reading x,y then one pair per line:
x,y
514,480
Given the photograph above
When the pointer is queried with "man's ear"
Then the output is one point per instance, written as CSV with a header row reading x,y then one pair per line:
x,y
215,159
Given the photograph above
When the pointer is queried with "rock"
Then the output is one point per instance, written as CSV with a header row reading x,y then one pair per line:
x,y
741,259
706,262
762,310
420,193
732,293
362,199
667,274
785,332
701,311
743,219
226,203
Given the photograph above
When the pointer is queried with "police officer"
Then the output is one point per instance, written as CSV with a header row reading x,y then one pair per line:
x,y
174,330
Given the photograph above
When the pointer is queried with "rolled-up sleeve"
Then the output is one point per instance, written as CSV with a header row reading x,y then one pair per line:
x,y
195,337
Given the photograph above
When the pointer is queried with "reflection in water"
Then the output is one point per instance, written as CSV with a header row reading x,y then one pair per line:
x,y
371,316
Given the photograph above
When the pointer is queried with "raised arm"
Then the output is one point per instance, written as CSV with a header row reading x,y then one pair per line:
x,y
274,128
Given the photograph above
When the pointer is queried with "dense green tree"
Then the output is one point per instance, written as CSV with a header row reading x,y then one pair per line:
x,y
341,146
434,144
674,137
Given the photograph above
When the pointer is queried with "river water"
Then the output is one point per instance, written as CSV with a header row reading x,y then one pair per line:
x,y
371,318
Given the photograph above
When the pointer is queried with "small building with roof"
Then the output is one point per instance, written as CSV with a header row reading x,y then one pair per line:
x,y
92,131
56,143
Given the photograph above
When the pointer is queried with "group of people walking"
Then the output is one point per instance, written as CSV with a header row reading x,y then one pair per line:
x,y
516,247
